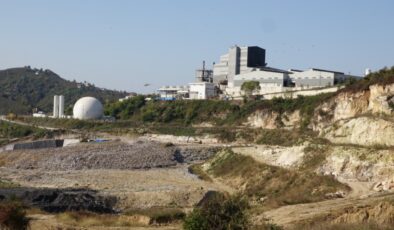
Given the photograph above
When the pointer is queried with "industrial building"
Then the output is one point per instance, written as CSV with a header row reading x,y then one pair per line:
x,y
248,63
169,93
238,60
202,90
316,78
204,75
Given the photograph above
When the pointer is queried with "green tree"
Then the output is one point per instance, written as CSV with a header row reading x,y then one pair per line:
x,y
250,87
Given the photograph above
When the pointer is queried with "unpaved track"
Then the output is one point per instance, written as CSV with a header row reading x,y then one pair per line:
x,y
287,215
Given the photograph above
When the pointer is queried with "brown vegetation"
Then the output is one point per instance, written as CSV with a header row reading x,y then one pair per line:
x,y
274,186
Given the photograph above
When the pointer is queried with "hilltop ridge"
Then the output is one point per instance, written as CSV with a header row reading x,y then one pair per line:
x,y
24,88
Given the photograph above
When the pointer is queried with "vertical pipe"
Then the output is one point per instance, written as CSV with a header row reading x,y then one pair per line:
x,y
56,106
61,106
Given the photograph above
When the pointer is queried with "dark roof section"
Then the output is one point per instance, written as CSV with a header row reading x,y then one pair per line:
x,y
270,69
329,71
296,70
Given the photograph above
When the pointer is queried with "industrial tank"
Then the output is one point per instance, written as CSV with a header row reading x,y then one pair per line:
x,y
88,108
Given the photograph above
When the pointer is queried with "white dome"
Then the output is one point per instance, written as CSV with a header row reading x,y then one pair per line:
x,y
88,108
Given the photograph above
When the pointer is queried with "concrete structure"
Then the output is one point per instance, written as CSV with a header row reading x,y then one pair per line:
x,y
169,93
238,60
88,108
39,144
313,78
39,114
202,90
61,106
56,106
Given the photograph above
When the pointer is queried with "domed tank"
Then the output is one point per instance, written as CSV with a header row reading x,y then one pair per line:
x,y
87,108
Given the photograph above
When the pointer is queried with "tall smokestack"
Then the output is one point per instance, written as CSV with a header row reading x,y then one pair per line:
x,y
56,106
61,106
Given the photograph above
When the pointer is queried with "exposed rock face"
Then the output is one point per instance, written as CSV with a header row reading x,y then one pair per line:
x,y
272,120
379,99
352,163
366,131
287,157
349,105
263,119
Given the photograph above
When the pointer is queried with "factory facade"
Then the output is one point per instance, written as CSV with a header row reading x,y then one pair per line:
x,y
248,63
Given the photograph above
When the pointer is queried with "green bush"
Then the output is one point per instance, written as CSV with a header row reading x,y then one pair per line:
x,y
13,216
383,77
219,213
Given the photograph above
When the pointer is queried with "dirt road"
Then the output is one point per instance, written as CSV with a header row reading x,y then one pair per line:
x,y
288,215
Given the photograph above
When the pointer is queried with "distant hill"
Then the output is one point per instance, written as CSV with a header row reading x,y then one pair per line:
x,y
23,89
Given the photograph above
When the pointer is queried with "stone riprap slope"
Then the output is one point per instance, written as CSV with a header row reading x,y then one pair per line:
x,y
113,155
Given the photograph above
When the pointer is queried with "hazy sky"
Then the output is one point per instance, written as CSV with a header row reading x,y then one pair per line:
x,y
123,44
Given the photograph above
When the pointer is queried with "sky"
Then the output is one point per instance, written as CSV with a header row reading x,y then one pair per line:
x,y
125,44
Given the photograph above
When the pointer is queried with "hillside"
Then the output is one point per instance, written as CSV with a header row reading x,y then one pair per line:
x,y
22,89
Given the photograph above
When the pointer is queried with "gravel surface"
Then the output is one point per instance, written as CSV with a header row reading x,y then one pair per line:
x,y
113,155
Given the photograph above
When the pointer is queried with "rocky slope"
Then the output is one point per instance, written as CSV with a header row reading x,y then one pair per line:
x,y
362,118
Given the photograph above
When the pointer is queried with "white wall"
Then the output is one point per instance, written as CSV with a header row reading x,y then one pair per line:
x,y
203,90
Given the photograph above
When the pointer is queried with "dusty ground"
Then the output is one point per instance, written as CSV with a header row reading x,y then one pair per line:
x,y
50,222
142,174
134,188
291,214
139,173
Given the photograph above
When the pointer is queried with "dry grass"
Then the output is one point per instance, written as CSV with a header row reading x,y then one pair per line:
x,y
7,184
159,215
86,219
13,216
277,185
197,170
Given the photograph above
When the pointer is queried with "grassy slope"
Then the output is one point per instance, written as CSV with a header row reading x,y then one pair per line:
x,y
9,131
280,186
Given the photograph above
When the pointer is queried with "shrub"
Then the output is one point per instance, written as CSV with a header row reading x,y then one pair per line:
x,y
219,212
160,215
383,77
13,216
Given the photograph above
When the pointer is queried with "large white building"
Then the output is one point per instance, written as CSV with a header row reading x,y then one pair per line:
x,y
202,90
